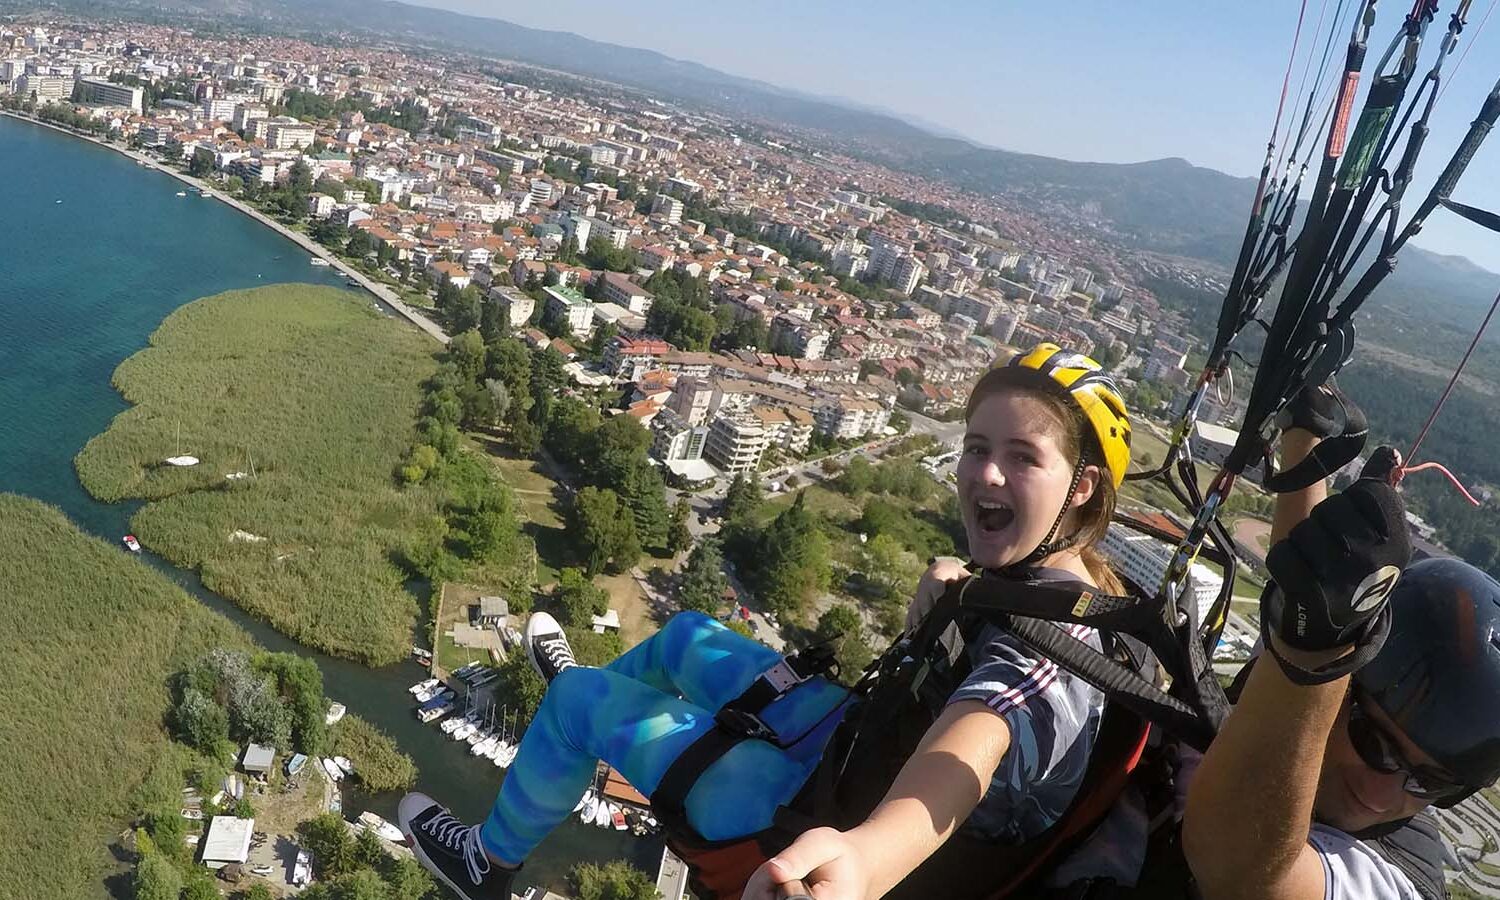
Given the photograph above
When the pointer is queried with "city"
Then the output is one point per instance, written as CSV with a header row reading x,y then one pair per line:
x,y
670,339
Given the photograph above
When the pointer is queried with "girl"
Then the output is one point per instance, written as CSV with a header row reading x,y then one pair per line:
x,y
1047,445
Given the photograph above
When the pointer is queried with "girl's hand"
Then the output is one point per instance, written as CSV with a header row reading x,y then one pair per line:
x,y
828,865
944,571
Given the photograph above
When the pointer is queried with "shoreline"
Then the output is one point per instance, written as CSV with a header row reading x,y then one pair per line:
x,y
379,291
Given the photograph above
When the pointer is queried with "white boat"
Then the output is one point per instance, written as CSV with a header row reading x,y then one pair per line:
x,y
332,769
501,756
335,712
194,814
480,734
590,809
182,193
601,815
318,261
131,544
381,827
617,817
484,747
587,795
463,731
204,193
437,712
420,686
181,462
451,725
344,764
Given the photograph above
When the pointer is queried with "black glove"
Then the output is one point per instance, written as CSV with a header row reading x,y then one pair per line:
x,y
1332,576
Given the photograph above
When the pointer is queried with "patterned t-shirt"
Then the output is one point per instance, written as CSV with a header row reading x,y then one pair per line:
x,y
1053,719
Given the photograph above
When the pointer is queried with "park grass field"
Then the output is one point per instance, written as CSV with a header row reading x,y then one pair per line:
x,y
90,636
316,394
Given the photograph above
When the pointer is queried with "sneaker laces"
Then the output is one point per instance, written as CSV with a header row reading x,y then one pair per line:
x,y
558,652
460,837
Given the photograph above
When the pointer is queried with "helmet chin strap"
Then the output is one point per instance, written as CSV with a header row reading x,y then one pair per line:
x,y
1051,543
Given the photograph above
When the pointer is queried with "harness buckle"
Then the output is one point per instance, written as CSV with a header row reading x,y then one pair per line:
x,y
743,724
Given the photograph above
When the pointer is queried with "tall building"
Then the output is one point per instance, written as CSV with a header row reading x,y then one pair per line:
x,y
219,109
107,93
1143,560
286,135
735,444
670,207
572,307
541,191
46,88
518,305
245,113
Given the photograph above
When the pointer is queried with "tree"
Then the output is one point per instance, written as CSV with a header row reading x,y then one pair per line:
x,y
362,884
201,723
743,499
499,399
702,584
605,533
360,244
508,360
494,321
643,492
577,599
841,626
468,354
884,564
520,684
570,430
793,560
525,437
234,184
406,877
328,839
368,850
679,537
200,165
615,880
157,879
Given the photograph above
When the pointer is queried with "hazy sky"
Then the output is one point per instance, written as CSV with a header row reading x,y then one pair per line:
x,y
1104,80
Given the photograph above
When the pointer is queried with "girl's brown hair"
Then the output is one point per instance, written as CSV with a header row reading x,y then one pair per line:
x,y
1090,522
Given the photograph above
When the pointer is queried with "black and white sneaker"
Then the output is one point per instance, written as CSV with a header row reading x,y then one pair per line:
x,y
451,851
547,646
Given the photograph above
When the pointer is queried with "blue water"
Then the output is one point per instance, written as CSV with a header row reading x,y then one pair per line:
x,y
94,252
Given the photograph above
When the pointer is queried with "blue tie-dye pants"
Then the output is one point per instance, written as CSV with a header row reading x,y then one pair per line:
x,y
640,712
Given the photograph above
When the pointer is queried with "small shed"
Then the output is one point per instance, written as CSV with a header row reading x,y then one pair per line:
x,y
258,760
610,621
494,612
228,841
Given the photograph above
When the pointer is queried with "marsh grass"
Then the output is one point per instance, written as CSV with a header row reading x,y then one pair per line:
x,y
90,637
317,393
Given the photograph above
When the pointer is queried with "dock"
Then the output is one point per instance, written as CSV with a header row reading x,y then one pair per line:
x,y
672,877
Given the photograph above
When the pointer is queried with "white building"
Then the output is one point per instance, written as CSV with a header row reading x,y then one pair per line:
x,y
673,439
1143,560
107,93
617,288
735,444
541,191
286,135
572,307
670,207
219,110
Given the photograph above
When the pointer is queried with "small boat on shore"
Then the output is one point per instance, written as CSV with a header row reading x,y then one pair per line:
x,y
336,711
295,764
182,462
318,261
601,815
382,828
344,764
205,193
590,807
617,816
131,544
332,769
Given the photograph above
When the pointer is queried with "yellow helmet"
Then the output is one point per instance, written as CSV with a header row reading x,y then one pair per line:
x,y
1084,382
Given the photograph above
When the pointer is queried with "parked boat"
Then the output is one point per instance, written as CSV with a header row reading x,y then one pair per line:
x,y
432,714
381,827
194,814
587,794
484,747
480,734
318,261
335,712
601,816
344,764
181,462
131,544
295,764
617,816
204,193
420,686
332,769
182,193
590,808
451,725
463,731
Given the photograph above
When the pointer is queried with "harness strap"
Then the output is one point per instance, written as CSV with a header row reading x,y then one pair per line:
x,y
779,680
